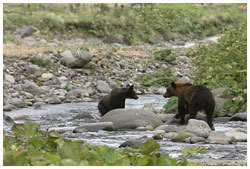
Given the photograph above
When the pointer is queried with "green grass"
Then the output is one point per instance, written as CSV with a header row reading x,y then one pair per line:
x,y
144,24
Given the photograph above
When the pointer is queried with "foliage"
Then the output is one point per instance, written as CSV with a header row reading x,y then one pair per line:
x,y
41,61
145,24
165,55
29,146
171,106
225,65
159,78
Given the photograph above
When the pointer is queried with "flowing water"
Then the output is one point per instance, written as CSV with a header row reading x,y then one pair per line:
x,y
61,116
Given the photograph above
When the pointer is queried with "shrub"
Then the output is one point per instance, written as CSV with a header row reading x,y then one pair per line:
x,y
171,106
165,55
41,61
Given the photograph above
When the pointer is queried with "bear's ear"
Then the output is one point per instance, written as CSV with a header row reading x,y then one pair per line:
x,y
173,85
131,87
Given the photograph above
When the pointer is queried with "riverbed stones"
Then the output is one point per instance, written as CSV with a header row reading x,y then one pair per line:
x,y
171,128
46,76
198,127
182,136
218,137
239,136
32,88
197,140
94,127
10,79
239,117
131,118
103,87
34,69
165,117
75,58
134,142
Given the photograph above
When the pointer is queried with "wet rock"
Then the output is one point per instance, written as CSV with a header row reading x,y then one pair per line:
x,y
7,107
75,58
146,128
218,137
8,120
131,118
197,140
239,136
182,136
171,128
134,142
198,127
157,137
94,127
103,87
165,117
239,117
222,119
83,116
199,116
32,88
61,130
10,79
46,76
170,135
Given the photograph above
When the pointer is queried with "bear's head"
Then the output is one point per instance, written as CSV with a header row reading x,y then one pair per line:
x,y
130,93
174,89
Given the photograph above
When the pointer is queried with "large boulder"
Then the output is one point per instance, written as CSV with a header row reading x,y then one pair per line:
x,y
239,136
218,137
131,118
75,58
198,127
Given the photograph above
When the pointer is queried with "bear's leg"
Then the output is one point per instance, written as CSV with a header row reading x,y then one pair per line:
x,y
182,110
209,112
192,111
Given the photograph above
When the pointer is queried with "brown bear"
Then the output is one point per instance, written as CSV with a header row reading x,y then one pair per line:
x,y
116,99
191,99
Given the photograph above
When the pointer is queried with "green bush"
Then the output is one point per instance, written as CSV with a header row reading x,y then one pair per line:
x,y
157,79
29,146
225,65
171,106
41,61
165,55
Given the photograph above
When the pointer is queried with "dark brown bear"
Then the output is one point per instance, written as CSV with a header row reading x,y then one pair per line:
x,y
192,99
116,99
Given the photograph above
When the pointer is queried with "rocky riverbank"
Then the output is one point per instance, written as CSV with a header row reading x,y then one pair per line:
x,y
39,71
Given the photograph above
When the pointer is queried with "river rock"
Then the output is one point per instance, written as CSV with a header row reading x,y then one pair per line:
x,y
94,127
103,87
239,136
134,142
54,100
61,130
76,93
75,58
32,88
131,118
182,136
197,140
8,120
218,137
184,79
46,76
83,116
239,117
161,91
198,127
157,137
171,128
165,117
34,69
146,128
16,102
170,135
10,79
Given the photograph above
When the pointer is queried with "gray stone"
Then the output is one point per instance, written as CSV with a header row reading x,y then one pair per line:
x,y
27,31
8,120
131,118
62,79
61,130
76,93
198,127
46,76
54,100
197,140
219,100
75,58
239,136
170,135
16,102
171,128
239,117
34,69
9,78
32,88
182,136
94,127
161,91
133,142
157,137
83,116
103,87
146,128
184,79
199,116
218,137
165,117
